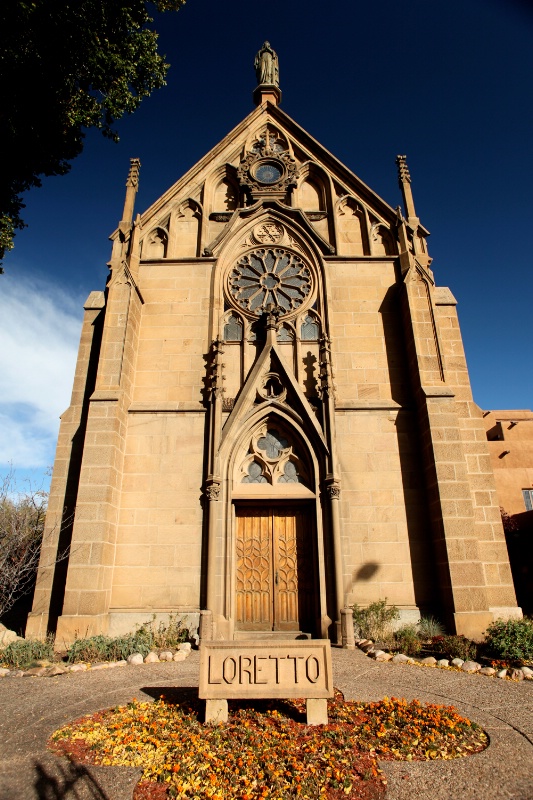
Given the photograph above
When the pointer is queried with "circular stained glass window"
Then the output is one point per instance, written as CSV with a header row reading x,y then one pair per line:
x,y
268,172
271,276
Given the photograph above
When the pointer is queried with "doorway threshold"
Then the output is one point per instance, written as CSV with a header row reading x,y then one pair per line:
x,y
270,635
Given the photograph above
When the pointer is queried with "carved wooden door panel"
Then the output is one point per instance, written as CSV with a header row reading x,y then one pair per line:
x,y
275,568
254,569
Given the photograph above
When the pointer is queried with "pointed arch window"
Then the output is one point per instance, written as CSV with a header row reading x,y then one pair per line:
x,y
233,329
255,474
310,329
272,459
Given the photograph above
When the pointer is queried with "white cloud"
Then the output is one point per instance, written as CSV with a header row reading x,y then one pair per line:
x,y
39,334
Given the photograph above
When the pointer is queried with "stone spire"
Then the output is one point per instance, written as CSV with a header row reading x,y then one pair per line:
x,y
267,73
404,179
132,185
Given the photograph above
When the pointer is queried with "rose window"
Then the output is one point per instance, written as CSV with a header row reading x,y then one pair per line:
x,y
270,277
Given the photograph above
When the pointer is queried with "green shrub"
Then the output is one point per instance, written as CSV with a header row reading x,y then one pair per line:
x,y
167,635
455,647
21,655
430,627
375,621
511,639
407,640
146,638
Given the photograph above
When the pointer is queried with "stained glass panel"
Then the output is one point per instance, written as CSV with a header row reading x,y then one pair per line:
x,y
270,276
273,443
233,329
309,329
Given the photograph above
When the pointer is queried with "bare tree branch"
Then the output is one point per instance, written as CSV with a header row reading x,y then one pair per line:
x,y
22,516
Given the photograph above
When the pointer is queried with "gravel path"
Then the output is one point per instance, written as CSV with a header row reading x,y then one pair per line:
x,y
32,708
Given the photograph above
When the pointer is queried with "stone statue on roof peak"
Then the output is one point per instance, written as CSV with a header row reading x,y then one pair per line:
x,y
266,66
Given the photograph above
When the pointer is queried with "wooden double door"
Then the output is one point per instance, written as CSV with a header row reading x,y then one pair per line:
x,y
276,568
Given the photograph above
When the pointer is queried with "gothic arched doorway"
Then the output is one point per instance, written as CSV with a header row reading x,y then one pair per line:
x,y
275,570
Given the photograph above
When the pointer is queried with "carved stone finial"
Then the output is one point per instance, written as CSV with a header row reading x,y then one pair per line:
x,y
266,66
404,179
216,377
404,176
272,314
133,174
132,185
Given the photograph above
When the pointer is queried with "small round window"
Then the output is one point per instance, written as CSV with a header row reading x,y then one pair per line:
x,y
268,172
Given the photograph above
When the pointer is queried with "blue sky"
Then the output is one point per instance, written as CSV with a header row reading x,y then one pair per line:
x,y
447,83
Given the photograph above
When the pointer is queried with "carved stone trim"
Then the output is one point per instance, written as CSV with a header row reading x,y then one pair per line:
x,y
271,387
315,216
268,232
212,490
222,216
333,490
283,161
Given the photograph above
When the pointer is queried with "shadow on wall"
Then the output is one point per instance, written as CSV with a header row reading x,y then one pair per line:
x,y
519,540
364,573
410,452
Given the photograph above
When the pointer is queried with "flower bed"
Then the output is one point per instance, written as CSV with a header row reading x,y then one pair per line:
x,y
266,750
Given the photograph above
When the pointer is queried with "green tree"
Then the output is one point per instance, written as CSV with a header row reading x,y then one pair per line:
x,y
66,66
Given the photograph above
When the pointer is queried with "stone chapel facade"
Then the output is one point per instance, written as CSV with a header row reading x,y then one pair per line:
x,y
272,416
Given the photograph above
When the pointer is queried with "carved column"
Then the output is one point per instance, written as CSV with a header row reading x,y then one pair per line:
x,y
213,482
333,489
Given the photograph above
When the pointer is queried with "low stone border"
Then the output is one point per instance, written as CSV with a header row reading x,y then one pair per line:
x,y
47,670
516,674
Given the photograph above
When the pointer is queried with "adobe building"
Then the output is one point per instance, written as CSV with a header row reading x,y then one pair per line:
x,y
510,439
272,416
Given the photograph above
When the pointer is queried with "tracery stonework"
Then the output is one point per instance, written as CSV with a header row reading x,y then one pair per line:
x,y
271,276
268,233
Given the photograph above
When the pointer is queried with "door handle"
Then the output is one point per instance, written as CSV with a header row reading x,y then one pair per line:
x,y
276,578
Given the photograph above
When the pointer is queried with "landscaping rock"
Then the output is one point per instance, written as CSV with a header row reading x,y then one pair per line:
x,y
77,667
502,673
3,672
135,658
517,675
8,637
443,662
181,655
166,655
16,673
367,647
471,666
487,671
51,672
103,665
380,655
383,656
400,658
457,662
151,658
429,660
528,673
185,647
113,664
37,671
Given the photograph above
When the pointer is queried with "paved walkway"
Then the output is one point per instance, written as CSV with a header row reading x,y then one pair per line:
x,y
32,708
